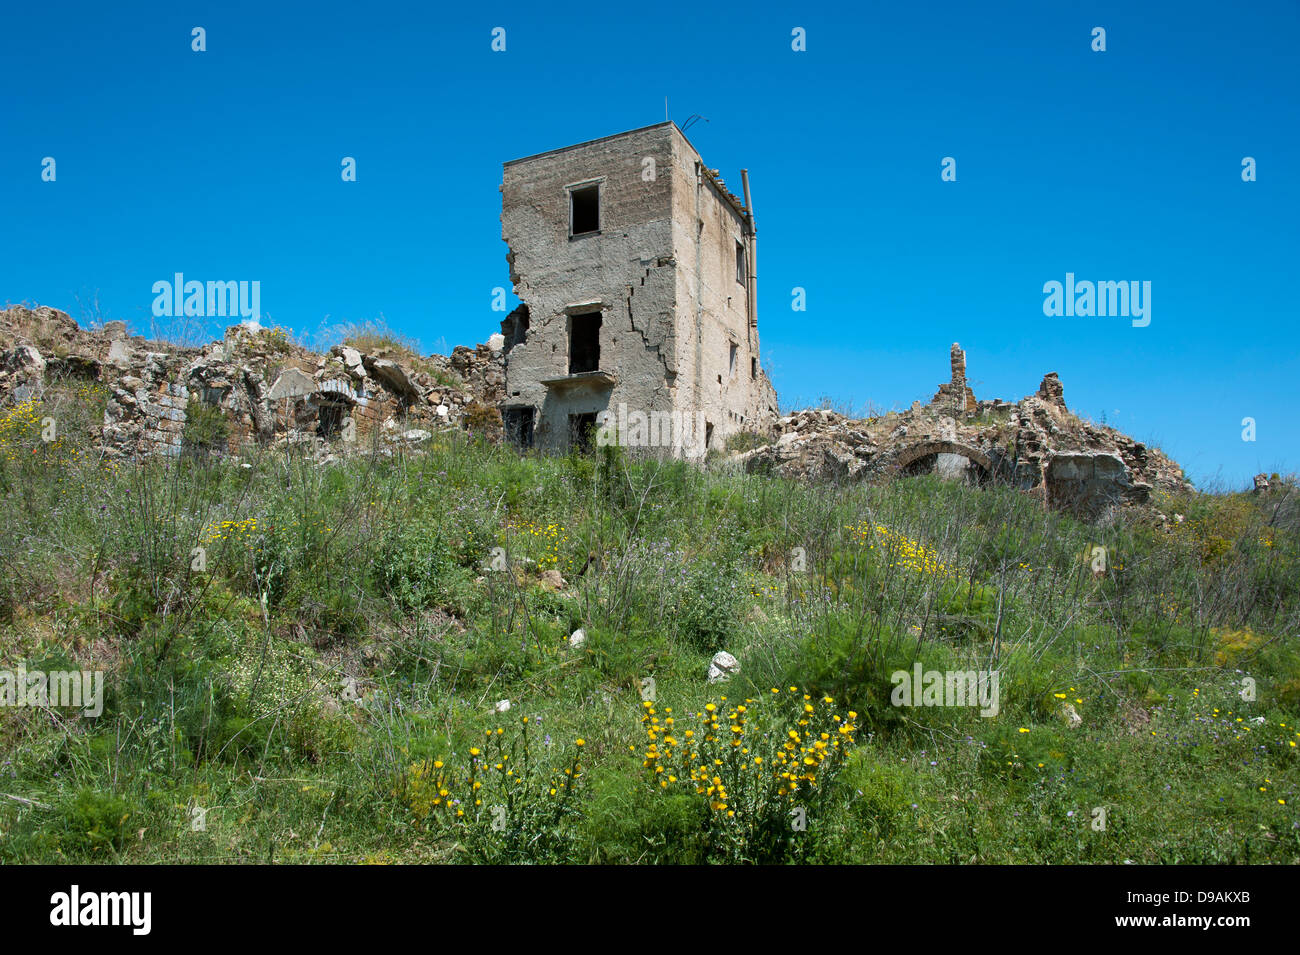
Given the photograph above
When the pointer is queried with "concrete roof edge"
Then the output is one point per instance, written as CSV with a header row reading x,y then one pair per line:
x,y
591,142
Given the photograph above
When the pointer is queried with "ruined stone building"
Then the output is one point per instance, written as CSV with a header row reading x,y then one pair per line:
x,y
636,268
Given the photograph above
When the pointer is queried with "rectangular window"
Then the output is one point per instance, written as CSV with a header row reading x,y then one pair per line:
x,y
584,210
740,263
731,360
753,368
584,343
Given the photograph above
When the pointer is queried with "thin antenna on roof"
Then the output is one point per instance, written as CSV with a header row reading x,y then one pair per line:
x,y
694,117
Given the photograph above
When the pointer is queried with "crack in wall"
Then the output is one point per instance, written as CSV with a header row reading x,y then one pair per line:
x,y
645,339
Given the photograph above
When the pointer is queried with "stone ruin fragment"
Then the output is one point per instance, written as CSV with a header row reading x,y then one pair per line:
x,y
264,388
1035,444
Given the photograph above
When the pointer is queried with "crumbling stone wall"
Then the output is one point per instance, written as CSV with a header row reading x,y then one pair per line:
x,y
266,389
1091,483
146,411
1036,444
271,391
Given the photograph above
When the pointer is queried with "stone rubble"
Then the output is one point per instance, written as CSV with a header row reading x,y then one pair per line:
x,y
266,388
1036,444
723,667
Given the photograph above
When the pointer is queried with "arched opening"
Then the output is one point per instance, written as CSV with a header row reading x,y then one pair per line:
x,y
947,459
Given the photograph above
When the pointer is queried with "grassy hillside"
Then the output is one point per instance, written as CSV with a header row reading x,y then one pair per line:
x,y
319,683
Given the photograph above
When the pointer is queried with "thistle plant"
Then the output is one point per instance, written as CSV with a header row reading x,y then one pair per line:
x,y
761,766
504,800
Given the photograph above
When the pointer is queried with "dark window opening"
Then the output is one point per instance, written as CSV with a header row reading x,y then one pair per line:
x,y
582,432
753,368
740,263
708,435
731,360
584,210
331,418
518,424
584,343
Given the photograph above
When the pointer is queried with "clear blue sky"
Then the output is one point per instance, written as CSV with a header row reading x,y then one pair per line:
x,y
1117,165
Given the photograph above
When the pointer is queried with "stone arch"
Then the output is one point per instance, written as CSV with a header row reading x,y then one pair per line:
x,y
914,454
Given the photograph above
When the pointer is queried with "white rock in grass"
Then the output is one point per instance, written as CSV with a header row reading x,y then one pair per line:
x,y
578,638
722,667
502,706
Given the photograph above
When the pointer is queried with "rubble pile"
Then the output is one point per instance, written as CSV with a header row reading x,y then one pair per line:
x,y
1036,444
256,384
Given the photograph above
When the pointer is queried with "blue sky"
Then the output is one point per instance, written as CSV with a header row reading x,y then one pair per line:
x,y
1122,165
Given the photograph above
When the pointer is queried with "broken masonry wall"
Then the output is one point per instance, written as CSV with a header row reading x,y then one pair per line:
x,y
145,413
955,396
624,272
265,389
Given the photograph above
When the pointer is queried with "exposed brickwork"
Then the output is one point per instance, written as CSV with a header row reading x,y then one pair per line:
x,y
955,396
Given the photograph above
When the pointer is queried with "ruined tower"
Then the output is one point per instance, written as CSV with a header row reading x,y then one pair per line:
x,y
955,396
636,268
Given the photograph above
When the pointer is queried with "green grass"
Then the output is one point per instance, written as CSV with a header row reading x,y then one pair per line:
x,y
312,691
374,337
